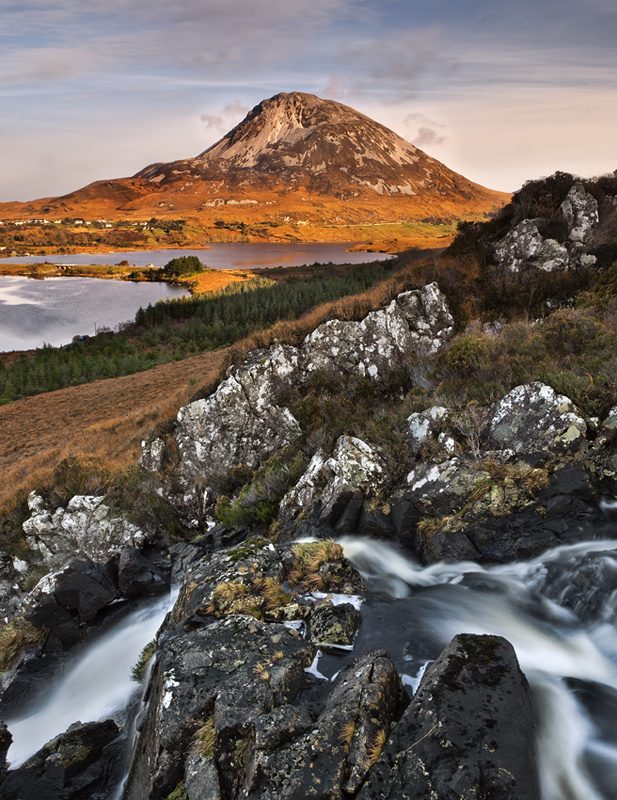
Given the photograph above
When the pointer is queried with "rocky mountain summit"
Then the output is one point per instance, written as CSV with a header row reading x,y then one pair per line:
x,y
477,441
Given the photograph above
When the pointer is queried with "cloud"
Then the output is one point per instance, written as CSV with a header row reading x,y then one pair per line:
x,y
427,131
229,116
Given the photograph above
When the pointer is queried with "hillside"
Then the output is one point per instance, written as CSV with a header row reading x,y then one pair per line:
x,y
297,167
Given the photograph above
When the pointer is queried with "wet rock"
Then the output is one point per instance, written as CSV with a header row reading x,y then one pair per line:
x,y
334,625
6,741
139,576
467,732
77,764
87,527
525,248
580,210
533,420
233,670
63,601
332,759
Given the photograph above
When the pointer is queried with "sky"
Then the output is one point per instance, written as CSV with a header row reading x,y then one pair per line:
x,y
502,91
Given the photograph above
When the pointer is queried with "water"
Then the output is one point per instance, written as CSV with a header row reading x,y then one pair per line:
x,y
54,310
96,686
571,666
413,612
223,255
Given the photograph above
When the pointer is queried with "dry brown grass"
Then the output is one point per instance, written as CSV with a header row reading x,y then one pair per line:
x,y
216,279
106,420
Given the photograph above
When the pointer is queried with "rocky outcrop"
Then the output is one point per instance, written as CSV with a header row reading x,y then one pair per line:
x,y
88,527
467,732
525,248
243,422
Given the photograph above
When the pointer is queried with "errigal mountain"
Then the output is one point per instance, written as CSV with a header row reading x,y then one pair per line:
x,y
295,159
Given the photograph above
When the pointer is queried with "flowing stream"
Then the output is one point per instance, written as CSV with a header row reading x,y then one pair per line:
x,y
413,612
96,686
572,667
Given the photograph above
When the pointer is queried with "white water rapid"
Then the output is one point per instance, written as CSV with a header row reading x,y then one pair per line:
x,y
95,686
571,666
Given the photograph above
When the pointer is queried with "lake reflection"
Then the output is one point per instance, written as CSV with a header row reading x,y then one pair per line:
x,y
52,311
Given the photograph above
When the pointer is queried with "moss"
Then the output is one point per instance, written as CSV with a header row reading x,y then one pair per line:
x,y
179,793
139,670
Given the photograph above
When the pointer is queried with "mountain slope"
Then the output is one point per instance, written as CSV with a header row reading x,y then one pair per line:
x,y
295,159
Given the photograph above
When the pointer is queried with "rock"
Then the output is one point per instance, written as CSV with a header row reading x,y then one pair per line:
x,y
152,455
580,210
437,490
6,740
525,248
77,764
384,339
353,467
467,733
241,423
201,778
423,426
63,601
232,671
138,576
334,625
532,420
331,760
88,527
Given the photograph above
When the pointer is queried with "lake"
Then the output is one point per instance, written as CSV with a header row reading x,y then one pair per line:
x,y
52,311
223,255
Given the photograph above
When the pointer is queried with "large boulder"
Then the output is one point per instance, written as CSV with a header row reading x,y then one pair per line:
x,y
384,340
533,420
467,733
524,247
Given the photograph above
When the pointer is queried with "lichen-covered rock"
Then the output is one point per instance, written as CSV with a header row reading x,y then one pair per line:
x,y
231,671
87,527
442,489
467,732
423,426
353,466
241,423
580,210
77,764
334,625
385,339
524,247
331,760
533,419
152,455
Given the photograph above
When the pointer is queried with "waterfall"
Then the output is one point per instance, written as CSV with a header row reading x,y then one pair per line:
x,y
563,658
95,686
